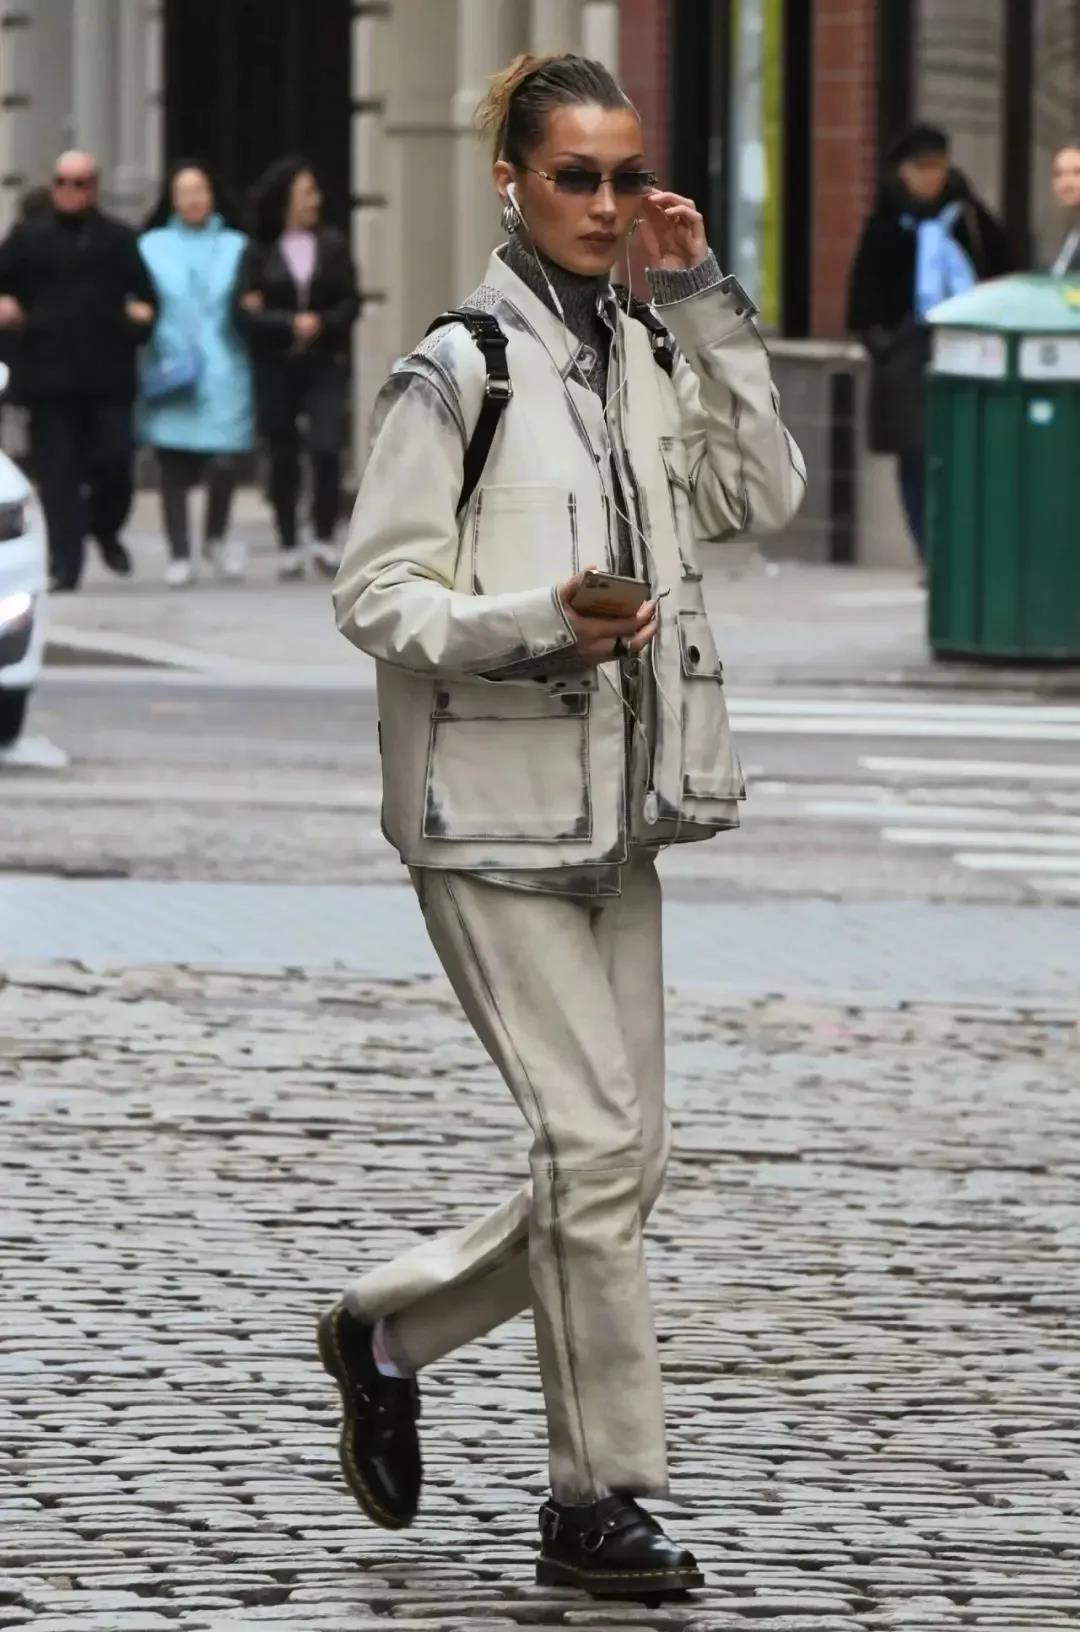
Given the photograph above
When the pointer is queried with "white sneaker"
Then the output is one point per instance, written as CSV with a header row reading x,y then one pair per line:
x,y
178,574
233,558
291,564
326,557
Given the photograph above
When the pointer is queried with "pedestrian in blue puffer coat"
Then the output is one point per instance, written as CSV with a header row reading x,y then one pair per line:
x,y
195,405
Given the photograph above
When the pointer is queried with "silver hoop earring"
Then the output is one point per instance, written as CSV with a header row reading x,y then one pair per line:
x,y
509,219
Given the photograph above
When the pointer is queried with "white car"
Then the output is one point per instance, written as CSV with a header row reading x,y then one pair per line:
x,y
23,591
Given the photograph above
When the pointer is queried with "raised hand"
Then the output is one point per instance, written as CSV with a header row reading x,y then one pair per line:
x,y
673,232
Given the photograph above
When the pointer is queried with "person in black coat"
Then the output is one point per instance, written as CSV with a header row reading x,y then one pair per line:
x,y
928,237
298,299
74,288
1067,192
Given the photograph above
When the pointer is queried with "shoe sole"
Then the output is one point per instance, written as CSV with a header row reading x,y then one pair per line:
x,y
608,1584
334,1366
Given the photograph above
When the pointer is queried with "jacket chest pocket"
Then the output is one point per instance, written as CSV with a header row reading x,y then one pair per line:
x,y
711,768
523,537
673,453
508,764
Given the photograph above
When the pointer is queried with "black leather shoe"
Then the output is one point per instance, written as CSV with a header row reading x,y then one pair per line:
x,y
380,1448
612,1549
61,584
116,558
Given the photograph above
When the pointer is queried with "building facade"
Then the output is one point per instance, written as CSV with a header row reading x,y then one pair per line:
x,y
773,114
781,112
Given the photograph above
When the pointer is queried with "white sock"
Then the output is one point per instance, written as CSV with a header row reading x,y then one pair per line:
x,y
381,1354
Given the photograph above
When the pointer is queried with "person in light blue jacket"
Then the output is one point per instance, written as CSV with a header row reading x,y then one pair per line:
x,y
195,402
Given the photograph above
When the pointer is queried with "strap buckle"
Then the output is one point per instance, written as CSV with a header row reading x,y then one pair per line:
x,y
498,387
549,1523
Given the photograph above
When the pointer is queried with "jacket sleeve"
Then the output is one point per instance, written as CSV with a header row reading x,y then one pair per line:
x,y
11,264
394,594
339,316
996,251
271,321
745,470
141,285
860,313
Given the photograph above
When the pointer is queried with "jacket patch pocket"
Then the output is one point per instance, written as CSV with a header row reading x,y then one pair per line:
x,y
522,538
711,768
680,494
513,769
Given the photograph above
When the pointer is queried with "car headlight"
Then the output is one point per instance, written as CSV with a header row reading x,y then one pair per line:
x,y
12,521
15,609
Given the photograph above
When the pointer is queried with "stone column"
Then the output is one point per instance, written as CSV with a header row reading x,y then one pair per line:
x,y
600,32
94,89
404,232
35,95
490,33
135,178
555,25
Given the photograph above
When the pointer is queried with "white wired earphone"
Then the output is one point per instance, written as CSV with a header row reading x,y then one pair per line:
x,y
635,529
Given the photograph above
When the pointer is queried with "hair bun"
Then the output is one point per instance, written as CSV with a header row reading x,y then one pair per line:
x,y
533,85
494,110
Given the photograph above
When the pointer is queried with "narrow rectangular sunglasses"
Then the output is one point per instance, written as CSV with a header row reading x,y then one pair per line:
x,y
581,181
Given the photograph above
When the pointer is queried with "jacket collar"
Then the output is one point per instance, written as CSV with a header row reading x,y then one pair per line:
x,y
563,346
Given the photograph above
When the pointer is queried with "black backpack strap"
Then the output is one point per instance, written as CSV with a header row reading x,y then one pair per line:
x,y
498,390
663,346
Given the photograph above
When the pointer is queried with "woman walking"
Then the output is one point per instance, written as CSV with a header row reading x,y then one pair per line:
x,y
195,407
1067,193
299,301
537,755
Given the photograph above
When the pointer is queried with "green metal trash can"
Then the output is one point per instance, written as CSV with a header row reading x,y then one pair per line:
x,y
1003,471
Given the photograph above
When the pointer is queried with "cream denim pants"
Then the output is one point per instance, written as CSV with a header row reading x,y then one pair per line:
x,y
567,997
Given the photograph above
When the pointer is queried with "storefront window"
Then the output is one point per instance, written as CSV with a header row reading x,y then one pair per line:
x,y
1056,113
960,84
755,135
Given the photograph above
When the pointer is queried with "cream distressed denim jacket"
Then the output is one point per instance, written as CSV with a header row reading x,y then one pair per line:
x,y
486,766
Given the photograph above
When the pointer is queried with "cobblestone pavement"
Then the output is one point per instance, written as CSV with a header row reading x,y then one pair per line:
x,y
867,1273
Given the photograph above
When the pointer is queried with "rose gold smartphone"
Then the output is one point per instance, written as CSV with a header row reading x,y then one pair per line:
x,y
605,595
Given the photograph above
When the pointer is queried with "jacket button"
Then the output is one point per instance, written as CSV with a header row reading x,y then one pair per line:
x,y
442,699
694,654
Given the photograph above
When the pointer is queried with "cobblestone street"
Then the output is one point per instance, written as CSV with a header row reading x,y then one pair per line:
x,y
867,1272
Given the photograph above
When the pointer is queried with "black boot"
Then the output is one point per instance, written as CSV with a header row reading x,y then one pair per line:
x,y
116,558
612,1549
380,1448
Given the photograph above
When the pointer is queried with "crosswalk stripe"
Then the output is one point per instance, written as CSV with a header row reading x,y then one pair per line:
x,y
946,837
1056,885
884,709
1010,861
850,810
991,769
790,725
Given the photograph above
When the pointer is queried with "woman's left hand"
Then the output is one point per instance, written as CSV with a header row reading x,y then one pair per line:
x,y
673,232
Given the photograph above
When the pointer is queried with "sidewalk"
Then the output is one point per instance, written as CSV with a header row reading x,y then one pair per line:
x,y
787,623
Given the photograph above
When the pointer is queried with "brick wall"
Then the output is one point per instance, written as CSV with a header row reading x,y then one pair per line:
x,y
645,71
844,159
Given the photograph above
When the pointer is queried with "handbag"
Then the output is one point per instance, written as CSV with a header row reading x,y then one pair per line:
x,y
176,372
171,375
